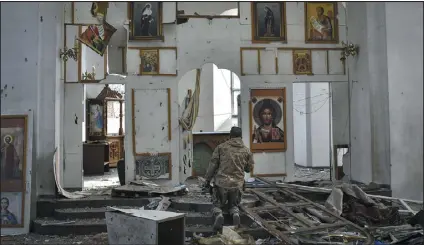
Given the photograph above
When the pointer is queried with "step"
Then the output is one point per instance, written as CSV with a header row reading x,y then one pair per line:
x,y
205,218
46,206
190,203
49,226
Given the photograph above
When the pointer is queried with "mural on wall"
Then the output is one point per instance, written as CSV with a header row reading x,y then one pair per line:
x,y
145,20
96,120
268,21
302,63
149,62
97,37
321,22
268,120
11,209
149,166
13,152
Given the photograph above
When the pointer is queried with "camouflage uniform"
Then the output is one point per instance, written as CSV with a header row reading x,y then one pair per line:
x,y
227,166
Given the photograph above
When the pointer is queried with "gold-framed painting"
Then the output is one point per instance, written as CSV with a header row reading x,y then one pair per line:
x,y
13,152
12,209
269,22
302,62
149,62
267,119
97,37
321,25
96,120
145,21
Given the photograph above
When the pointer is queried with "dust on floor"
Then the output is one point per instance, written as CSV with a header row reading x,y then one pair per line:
x,y
109,179
33,239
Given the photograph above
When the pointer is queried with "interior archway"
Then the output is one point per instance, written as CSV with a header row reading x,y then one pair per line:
x,y
230,12
218,111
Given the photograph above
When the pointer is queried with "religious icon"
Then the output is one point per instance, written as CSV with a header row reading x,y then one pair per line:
x,y
268,21
268,121
153,166
13,150
149,62
96,119
302,63
97,37
11,209
146,20
321,22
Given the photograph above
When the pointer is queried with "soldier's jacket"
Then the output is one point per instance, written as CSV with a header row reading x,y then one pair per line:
x,y
228,163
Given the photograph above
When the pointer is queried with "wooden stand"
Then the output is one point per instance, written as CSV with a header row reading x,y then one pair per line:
x,y
95,156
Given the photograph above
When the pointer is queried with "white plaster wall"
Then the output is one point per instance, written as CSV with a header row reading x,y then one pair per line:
x,y
360,99
340,113
93,90
73,131
136,82
299,124
206,8
31,74
319,112
221,97
186,82
405,83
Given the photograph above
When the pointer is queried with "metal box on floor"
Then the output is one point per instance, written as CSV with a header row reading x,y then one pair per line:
x,y
137,226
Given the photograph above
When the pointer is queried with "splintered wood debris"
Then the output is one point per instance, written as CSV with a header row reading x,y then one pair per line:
x,y
349,216
294,222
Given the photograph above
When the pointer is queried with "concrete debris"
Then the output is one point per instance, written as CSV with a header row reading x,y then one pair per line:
x,y
140,188
229,236
418,219
304,173
124,226
355,205
163,204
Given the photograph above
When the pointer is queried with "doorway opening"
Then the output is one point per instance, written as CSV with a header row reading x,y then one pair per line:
x,y
320,115
103,132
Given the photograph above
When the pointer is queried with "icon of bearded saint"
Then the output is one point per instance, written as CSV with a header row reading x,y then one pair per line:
x,y
267,115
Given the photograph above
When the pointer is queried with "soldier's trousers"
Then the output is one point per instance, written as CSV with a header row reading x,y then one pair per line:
x,y
225,200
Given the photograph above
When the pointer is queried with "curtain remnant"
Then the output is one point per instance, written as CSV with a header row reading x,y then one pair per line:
x,y
189,116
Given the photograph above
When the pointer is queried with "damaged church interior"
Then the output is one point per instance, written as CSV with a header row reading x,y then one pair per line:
x,y
115,117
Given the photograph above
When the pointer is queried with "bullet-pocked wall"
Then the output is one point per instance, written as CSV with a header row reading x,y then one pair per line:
x,y
227,43
30,79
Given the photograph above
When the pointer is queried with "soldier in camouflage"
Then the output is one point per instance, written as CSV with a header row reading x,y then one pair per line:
x,y
227,166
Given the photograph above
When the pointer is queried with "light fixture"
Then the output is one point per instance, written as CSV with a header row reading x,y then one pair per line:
x,y
70,53
349,49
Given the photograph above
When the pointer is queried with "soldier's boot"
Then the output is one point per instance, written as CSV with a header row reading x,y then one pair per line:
x,y
219,221
236,219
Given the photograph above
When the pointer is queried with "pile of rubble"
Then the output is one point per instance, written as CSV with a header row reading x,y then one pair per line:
x,y
288,213
347,216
